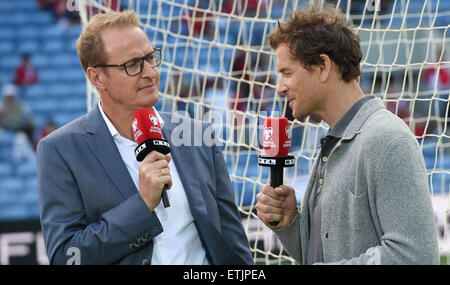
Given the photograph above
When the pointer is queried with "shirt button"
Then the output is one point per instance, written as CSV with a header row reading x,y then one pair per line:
x,y
324,159
146,262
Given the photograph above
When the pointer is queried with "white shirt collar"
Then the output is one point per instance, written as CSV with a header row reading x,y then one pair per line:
x,y
114,133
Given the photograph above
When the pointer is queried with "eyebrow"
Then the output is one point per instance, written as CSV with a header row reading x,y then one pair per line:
x,y
284,69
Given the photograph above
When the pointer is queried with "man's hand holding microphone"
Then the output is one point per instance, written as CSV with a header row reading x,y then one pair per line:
x,y
152,151
154,175
276,204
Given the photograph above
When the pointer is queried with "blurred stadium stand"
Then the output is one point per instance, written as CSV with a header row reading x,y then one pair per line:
x,y
59,95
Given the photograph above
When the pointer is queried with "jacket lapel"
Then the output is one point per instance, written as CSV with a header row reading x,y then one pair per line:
x,y
105,150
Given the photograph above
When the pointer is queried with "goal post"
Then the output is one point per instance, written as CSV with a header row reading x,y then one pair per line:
x,y
217,66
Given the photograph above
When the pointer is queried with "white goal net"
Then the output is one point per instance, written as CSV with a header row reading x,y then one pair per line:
x,y
217,65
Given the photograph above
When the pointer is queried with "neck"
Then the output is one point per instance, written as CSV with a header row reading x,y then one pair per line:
x,y
121,120
340,100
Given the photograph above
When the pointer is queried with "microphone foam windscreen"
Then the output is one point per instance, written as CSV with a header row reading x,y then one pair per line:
x,y
276,137
145,125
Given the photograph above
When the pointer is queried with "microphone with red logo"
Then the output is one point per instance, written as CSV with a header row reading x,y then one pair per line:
x,y
147,133
276,144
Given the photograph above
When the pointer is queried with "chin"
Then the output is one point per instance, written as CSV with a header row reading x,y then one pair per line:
x,y
150,100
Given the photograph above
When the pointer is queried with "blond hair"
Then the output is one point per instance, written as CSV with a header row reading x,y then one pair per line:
x,y
90,47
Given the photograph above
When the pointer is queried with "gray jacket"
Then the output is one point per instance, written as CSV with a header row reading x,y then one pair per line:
x,y
376,208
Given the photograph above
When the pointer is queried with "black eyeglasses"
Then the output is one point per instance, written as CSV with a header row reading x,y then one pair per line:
x,y
135,66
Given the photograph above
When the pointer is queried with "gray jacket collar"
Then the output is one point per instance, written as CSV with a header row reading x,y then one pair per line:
x,y
361,116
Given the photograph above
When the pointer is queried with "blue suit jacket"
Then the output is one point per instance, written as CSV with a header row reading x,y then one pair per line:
x,y
90,206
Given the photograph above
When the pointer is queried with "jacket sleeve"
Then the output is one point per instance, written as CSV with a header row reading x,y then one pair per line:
x,y
69,238
289,237
403,208
231,224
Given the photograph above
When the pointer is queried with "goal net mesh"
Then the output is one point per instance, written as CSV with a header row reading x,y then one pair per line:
x,y
217,66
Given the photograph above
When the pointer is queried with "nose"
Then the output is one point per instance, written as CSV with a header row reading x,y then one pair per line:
x,y
148,70
281,89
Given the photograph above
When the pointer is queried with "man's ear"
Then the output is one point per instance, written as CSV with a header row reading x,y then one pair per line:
x,y
325,68
96,78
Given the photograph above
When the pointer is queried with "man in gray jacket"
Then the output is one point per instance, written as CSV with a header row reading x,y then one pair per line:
x,y
367,199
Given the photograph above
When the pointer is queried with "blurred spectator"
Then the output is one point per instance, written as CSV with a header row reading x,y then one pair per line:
x,y
57,7
250,6
443,76
399,105
215,96
22,149
13,116
48,128
26,73
437,79
240,97
241,89
199,23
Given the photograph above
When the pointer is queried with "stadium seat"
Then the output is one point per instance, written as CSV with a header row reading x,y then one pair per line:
x,y
73,74
33,210
59,91
10,62
36,92
12,212
7,33
11,184
26,169
5,154
50,75
41,18
6,76
73,32
6,138
28,46
61,119
8,7
5,169
73,105
45,106
29,32
27,5
31,183
6,47
79,88
53,46
19,18
52,32
30,196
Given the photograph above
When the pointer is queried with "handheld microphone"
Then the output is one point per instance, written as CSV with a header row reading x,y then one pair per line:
x,y
276,144
147,134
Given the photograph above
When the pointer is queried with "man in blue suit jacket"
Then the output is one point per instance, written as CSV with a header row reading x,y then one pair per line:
x,y
98,204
